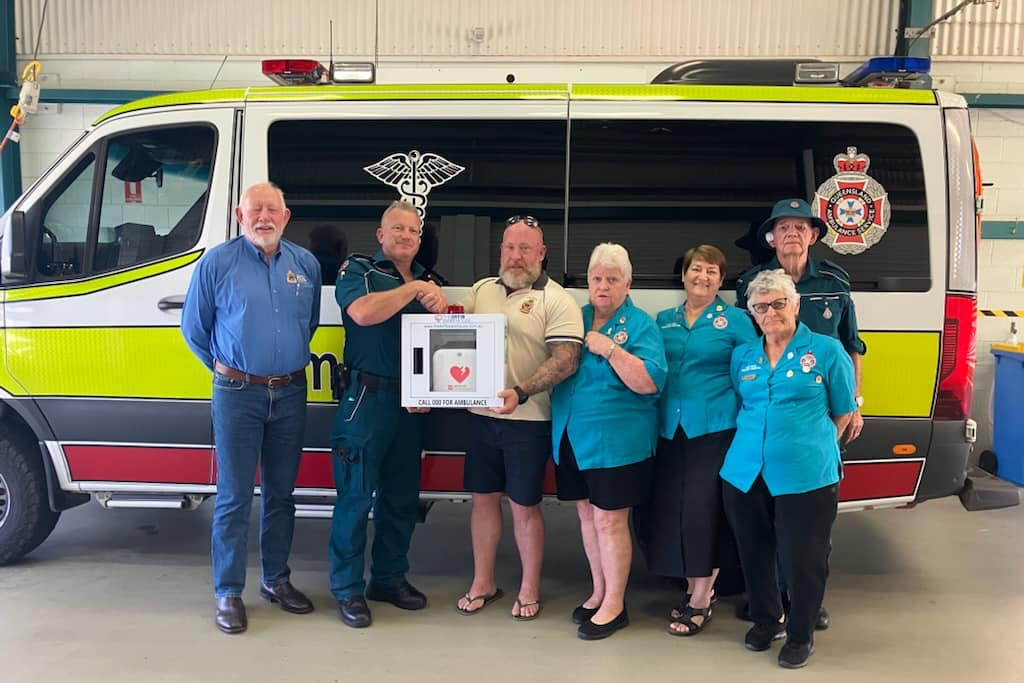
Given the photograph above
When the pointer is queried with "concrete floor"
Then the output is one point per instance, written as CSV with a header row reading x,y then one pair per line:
x,y
931,594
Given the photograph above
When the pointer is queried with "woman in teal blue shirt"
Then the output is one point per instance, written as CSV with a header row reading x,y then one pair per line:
x,y
782,471
604,424
682,531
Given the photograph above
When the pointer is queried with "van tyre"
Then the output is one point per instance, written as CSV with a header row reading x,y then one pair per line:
x,y
25,515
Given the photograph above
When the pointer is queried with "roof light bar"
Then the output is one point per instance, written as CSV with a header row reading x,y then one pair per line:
x,y
354,72
295,71
889,72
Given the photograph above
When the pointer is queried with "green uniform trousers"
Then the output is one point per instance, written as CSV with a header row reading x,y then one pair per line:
x,y
376,446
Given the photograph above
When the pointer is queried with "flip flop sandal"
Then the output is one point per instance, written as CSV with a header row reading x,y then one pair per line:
x,y
686,619
528,603
488,599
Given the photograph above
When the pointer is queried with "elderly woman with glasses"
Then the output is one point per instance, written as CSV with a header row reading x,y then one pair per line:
x,y
604,423
782,471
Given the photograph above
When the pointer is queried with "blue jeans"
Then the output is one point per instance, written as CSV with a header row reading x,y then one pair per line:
x,y
250,421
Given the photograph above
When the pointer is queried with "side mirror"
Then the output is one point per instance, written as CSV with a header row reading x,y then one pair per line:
x,y
17,246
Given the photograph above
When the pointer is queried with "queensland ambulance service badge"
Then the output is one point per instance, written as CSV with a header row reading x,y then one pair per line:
x,y
854,206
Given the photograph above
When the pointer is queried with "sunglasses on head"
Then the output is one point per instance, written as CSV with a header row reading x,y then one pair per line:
x,y
527,220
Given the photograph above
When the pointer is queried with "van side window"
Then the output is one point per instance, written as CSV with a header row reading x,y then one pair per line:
x,y
662,186
132,198
65,224
471,174
154,195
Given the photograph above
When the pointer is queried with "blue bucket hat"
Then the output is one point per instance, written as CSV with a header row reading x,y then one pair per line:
x,y
789,208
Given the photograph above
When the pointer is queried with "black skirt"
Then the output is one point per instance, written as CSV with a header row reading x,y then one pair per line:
x,y
682,531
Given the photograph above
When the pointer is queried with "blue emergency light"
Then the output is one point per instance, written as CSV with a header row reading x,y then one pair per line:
x,y
889,72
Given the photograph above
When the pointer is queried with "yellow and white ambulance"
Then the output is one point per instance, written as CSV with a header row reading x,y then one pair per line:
x,y
100,397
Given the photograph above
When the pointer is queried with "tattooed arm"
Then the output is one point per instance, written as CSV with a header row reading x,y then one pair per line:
x,y
565,358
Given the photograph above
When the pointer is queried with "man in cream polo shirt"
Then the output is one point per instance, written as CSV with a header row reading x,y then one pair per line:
x,y
508,447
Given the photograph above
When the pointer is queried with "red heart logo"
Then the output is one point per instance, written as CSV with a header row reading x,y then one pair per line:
x,y
459,372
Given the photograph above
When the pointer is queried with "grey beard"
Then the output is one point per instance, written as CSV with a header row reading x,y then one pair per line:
x,y
519,281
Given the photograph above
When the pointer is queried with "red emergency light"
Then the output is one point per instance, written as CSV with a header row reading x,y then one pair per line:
x,y
295,71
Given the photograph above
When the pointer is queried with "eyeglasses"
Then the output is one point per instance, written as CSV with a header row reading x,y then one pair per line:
x,y
778,305
528,220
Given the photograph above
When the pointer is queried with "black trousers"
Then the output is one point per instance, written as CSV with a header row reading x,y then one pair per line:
x,y
797,527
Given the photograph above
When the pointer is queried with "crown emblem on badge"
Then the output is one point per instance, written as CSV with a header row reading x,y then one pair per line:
x,y
414,174
851,162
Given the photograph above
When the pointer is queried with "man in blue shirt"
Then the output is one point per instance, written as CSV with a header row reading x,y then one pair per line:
x,y
376,443
250,311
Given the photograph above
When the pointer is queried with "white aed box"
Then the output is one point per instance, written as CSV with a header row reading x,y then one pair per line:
x,y
452,360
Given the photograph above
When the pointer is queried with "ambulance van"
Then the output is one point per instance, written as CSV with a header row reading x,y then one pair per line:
x,y
100,397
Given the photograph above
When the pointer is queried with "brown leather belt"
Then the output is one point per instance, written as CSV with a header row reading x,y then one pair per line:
x,y
272,381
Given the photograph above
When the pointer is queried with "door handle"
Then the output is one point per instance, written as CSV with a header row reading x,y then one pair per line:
x,y
168,303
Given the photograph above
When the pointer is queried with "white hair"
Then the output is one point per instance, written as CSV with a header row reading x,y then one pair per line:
x,y
776,280
611,255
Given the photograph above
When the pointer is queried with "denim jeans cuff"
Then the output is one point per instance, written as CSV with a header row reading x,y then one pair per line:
x,y
276,582
229,594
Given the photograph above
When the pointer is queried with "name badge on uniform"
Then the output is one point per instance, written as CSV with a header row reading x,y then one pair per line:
x,y
747,378
720,323
807,361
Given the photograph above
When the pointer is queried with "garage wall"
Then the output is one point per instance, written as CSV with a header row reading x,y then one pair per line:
x,y
460,28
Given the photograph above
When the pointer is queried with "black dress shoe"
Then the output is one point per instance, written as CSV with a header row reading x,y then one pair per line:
x,y
588,630
231,615
760,636
404,596
582,614
795,655
823,620
355,612
288,596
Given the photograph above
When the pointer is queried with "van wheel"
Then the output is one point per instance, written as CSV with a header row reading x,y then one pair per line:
x,y
25,515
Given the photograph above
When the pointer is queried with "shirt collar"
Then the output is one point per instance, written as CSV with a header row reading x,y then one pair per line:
x,y
812,267
255,251
379,259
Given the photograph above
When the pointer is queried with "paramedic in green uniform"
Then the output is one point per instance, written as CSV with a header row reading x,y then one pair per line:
x,y
825,303
375,442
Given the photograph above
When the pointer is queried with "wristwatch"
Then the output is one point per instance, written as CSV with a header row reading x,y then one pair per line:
x,y
523,396
859,400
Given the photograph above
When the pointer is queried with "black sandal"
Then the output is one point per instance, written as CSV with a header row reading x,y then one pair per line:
x,y
686,619
676,611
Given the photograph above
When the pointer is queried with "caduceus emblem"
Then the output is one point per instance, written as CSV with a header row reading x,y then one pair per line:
x,y
414,175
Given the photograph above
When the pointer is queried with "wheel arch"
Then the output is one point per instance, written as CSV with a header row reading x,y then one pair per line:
x,y
25,418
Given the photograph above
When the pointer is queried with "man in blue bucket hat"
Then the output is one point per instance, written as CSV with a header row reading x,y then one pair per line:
x,y
825,302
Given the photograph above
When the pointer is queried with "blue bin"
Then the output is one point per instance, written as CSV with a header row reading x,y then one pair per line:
x,y
1008,412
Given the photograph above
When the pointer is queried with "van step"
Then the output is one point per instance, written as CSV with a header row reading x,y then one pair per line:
x,y
982,491
149,501
314,510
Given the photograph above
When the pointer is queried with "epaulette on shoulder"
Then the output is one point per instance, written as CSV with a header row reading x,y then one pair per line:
x,y
834,269
363,260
